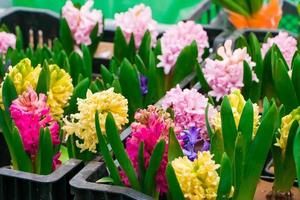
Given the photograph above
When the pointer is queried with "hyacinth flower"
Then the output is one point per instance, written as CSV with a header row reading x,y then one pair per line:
x,y
198,179
240,144
82,25
29,129
189,106
49,79
232,70
144,160
7,40
191,138
79,127
286,44
135,23
253,14
285,151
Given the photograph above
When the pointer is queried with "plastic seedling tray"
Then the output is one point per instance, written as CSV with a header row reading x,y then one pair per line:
x,y
19,185
84,186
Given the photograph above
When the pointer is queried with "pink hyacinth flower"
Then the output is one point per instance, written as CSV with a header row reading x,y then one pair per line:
x,y
175,39
226,75
189,109
7,40
82,21
287,45
137,21
30,113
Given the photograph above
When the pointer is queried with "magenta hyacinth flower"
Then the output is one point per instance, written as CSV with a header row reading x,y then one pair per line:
x,y
151,126
30,113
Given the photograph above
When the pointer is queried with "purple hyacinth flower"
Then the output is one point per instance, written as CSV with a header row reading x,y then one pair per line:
x,y
144,84
191,138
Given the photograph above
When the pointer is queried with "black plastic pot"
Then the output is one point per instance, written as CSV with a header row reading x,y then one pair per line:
x,y
84,186
32,19
19,185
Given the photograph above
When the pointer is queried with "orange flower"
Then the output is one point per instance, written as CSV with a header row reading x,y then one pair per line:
x,y
267,17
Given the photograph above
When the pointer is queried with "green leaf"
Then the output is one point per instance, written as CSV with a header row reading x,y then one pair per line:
x,y
105,180
19,41
208,127
268,88
79,92
174,148
22,158
257,154
232,6
145,48
296,154
119,151
229,130
173,184
43,83
296,75
140,65
106,75
241,42
247,80
9,93
102,147
6,127
154,164
45,153
203,83
120,45
130,84
217,146
76,66
95,38
116,85
131,49
240,151
255,53
185,63
225,178
141,161
87,66
155,82
255,5
65,36
246,122
284,86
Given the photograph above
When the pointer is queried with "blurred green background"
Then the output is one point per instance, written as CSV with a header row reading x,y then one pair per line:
x,y
164,11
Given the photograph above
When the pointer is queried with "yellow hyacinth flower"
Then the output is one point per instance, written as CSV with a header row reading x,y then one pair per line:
x,y
60,91
286,123
198,179
23,76
237,103
82,124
